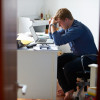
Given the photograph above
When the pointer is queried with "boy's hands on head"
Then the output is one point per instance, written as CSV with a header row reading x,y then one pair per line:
x,y
52,21
52,25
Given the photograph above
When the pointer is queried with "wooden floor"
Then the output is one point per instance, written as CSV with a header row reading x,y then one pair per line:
x,y
57,98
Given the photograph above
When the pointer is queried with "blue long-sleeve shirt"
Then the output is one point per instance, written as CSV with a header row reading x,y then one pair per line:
x,y
79,38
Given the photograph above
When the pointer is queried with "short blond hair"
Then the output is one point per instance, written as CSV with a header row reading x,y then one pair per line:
x,y
63,13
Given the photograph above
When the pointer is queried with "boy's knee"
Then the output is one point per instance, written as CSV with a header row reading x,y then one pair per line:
x,y
67,69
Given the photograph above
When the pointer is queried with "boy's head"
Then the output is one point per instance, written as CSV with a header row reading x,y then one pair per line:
x,y
63,13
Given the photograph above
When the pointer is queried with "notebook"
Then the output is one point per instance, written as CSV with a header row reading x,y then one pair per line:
x,y
40,40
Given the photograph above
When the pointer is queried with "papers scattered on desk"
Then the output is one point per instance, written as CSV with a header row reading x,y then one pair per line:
x,y
52,47
25,38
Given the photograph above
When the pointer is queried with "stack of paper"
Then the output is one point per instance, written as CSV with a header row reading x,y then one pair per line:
x,y
92,91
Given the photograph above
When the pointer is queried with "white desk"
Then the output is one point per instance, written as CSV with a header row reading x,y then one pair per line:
x,y
38,70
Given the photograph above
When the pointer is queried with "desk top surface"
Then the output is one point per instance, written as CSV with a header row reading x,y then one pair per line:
x,y
37,48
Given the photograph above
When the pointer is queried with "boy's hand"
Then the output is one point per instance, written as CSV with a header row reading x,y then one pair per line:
x,y
52,21
52,29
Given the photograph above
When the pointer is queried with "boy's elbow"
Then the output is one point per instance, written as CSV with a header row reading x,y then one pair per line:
x,y
58,44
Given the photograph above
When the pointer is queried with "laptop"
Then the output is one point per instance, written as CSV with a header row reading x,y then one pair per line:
x,y
40,40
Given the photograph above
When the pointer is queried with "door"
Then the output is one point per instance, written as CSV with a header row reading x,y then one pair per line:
x,y
8,47
98,73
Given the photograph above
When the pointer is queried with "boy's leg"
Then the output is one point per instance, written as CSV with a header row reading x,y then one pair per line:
x,y
70,72
62,60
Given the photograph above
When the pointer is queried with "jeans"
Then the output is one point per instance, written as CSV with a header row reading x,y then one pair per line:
x,y
67,67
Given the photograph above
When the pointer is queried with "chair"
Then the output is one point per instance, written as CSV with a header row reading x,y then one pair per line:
x,y
85,76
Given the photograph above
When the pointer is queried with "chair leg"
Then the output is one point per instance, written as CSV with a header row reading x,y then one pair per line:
x,y
82,85
79,92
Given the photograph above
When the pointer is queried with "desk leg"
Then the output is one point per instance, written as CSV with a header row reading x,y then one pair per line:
x,y
54,76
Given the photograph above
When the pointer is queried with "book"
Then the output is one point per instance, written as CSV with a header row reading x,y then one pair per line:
x,y
91,91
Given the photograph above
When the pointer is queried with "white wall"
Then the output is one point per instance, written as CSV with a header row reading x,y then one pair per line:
x,y
29,7
86,11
